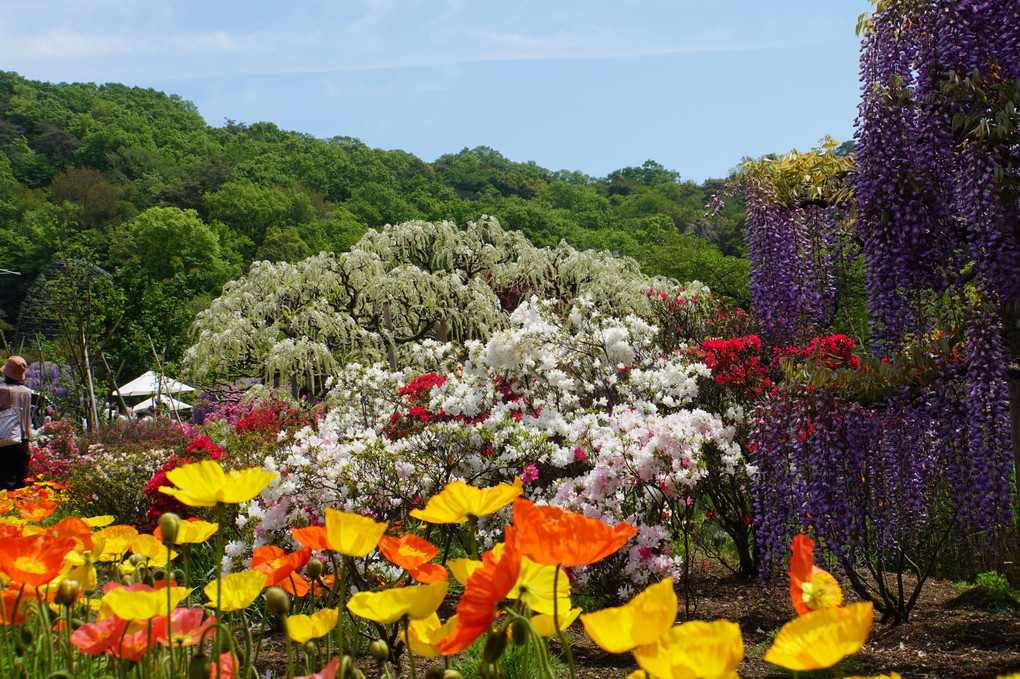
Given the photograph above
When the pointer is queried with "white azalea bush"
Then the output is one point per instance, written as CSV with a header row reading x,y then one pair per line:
x,y
585,408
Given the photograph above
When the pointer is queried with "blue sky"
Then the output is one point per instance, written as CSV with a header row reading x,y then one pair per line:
x,y
589,85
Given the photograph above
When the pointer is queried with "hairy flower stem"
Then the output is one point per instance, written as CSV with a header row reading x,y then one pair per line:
x,y
556,623
472,537
407,640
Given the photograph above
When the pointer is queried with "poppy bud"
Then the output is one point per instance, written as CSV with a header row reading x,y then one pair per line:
x,y
67,593
137,559
277,601
169,526
314,568
452,674
379,650
199,667
494,647
309,647
519,632
346,667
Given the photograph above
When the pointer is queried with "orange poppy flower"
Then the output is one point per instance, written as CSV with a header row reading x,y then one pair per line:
x,y
36,559
35,508
811,588
72,527
280,567
17,598
486,587
413,554
556,537
312,536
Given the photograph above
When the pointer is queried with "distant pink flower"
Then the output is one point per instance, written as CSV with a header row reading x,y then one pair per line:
x,y
529,474
579,455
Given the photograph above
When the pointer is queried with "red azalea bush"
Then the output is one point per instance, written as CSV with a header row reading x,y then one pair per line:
x,y
735,361
201,448
268,418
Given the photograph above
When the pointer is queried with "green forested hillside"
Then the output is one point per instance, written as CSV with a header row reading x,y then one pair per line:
x,y
135,181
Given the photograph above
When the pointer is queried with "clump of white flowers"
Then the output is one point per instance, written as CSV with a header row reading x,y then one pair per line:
x,y
583,406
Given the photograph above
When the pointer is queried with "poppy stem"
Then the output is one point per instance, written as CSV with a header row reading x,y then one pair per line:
x,y
220,518
290,651
407,641
169,602
556,624
472,538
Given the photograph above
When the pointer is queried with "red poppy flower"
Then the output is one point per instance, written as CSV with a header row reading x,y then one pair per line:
x,y
131,647
280,566
556,537
413,554
36,559
485,588
186,627
94,638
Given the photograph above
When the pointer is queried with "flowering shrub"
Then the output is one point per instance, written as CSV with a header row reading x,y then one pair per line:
x,y
202,448
735,361
543,400
56,452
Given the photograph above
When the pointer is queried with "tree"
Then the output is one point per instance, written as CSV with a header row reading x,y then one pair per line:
x,y
396,287
170,242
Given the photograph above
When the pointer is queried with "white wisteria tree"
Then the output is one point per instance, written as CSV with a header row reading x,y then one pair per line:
x,y
396,286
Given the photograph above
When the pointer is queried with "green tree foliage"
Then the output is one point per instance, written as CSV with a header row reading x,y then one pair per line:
x,y
134,179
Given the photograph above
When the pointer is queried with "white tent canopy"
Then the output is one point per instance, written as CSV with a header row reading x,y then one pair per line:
x,y
170,403
152,383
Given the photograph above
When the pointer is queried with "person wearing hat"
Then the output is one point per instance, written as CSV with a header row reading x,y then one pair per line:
x,y
14,394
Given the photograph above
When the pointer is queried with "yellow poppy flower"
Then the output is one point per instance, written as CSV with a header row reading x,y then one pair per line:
x,y
85,574
194,532
142,605
117,541
462,568
390,605
640,621
152,549
458,500
425,634
302,628
543,624
238,590
204,484
99,521
534,587
821,638
352,534
708,650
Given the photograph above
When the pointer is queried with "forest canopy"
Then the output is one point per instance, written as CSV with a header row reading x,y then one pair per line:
x,y
136,182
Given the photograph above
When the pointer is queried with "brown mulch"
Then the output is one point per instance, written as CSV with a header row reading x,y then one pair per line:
x,y
953,633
